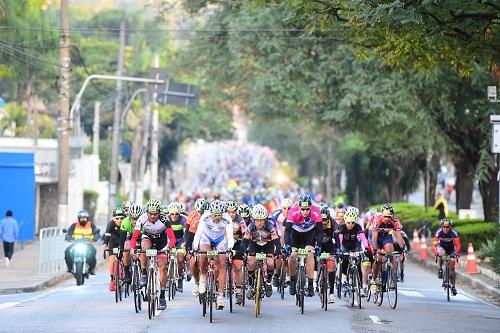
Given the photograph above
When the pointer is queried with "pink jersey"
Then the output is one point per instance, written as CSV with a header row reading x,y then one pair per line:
x,y
301,223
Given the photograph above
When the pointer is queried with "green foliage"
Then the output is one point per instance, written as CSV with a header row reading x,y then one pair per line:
x,y
487,249
495,260
476,233
90,202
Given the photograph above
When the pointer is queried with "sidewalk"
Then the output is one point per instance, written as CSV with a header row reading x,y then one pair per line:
x,y
22,276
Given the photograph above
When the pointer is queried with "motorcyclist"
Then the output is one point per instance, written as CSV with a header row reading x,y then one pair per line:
x,y
83,228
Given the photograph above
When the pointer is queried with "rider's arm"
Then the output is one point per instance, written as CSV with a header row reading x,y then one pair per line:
x,y
107,234
69,234
197,235
123,238
189,237
229,234
341,239
170,234
364,241
435,242
135,236
456,241
95,232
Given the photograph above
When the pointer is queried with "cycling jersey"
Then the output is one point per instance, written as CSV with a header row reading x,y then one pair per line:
x,y
214,234
112,235
301,223
261,236
239,228
449,241
193,220
153,230
349,238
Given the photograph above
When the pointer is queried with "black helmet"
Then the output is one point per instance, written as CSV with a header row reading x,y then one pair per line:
x,y
82,213
325,213
305,201
119,211
446,222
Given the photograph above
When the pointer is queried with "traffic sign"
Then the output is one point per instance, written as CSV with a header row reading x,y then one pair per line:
x,y
180,94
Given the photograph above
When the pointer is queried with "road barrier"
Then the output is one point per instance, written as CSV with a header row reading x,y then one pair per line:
x,y
51,254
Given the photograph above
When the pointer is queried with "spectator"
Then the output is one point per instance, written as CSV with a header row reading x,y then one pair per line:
x,y
441,206
9,232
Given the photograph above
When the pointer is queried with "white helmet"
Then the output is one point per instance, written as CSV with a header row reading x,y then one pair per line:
x,y
135,211
259,212
217,207
350,216
287,202
174,208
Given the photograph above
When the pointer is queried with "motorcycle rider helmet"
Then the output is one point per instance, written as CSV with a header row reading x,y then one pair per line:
x,y
82,214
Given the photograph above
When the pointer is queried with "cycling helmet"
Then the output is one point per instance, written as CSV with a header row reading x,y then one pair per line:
x,y
135,211
353,209
244,210
126,205
154,205
119,212
231,206
322,205
174,208
325,213
182,207
83,213
350,216
217,207
164,209
259,212
446,222
201,205
387,210
287,202
305,201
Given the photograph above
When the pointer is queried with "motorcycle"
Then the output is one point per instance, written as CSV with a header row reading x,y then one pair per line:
x,y
80,265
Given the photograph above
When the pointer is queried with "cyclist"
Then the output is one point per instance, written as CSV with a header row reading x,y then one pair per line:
x,y
126,230
200,206
350,236
214,230
383,228
303,229
157,233
279,217
239,228
261,236
328,245
447,241
111,239
178,223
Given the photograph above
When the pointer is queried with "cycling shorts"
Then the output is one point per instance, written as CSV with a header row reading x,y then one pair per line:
x,y
302,239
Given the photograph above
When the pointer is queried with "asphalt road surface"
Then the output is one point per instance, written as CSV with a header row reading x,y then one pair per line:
x,y
422,307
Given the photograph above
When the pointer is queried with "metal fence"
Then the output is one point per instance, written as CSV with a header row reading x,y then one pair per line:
x,y
51,254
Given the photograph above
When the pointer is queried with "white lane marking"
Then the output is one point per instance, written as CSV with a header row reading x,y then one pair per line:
x,y
74,288
477,299
8,305
411,293
375,319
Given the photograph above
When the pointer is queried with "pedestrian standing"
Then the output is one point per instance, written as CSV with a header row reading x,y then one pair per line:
x,y
9,232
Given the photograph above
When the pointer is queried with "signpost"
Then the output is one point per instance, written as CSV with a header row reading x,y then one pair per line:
x,y
179,94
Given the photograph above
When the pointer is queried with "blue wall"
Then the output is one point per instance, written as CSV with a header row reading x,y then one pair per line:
x,y
17,179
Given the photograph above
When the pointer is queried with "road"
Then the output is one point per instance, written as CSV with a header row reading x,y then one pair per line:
x,y
422,307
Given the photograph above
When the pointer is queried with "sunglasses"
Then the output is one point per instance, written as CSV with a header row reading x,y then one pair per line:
x,y
305,209
285,208
349,222
217,215
446,227
174,214
119,217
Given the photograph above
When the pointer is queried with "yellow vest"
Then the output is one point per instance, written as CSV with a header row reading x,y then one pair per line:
x,y
83,232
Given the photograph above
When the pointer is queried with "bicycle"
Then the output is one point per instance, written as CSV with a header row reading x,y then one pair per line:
x,y
353,287
282,278
173,274
153,285
446,274
338,276
301,278
118,273
136,273
322,285
259,281
210,296
229,288
387,281
245,281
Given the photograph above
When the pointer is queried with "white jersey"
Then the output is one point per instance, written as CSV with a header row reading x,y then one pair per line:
x,y
209,232
150,228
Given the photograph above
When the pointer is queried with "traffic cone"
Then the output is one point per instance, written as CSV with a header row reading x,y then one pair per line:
x,y
471,264
423,248
415,244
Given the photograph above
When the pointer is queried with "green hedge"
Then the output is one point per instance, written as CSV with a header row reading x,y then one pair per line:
x,y
414,216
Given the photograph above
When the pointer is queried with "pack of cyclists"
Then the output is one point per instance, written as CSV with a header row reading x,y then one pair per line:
x,y
239,231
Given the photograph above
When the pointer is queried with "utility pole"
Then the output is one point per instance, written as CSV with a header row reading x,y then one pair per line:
x,y
113,182
154,137
63,144
95,128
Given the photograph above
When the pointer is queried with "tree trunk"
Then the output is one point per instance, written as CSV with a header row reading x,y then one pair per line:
x,y
489,193
464,183
433,173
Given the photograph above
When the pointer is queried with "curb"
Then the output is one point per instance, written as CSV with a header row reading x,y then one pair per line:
x,y
475,283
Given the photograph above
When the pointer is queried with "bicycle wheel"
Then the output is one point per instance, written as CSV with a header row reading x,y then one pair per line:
x,y
369,289
356,286
350,286
244,283
211,293
447,282
230,285
302,289
338,279
119,282
324,288
257,291
149,292
135,287
392,288
282,284
380,290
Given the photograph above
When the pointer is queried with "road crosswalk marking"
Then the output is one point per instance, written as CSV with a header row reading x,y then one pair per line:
x,y
8,305
411,293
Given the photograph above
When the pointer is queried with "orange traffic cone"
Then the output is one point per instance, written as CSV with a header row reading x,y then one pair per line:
x,y
471,264
415,244
423,248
